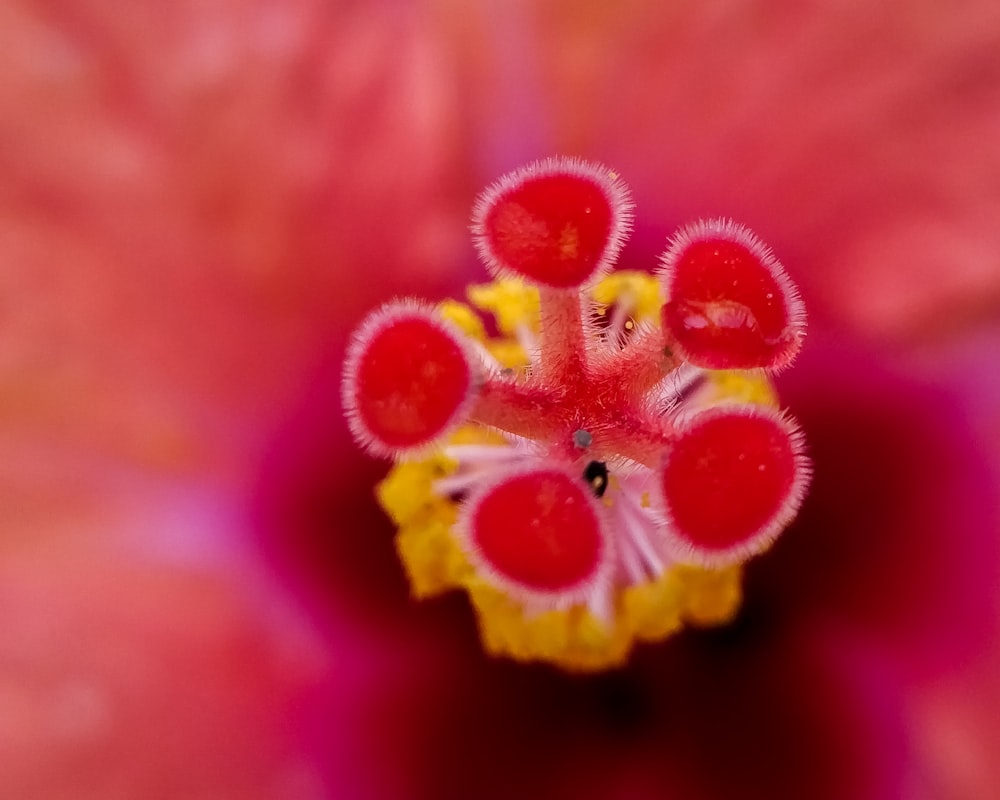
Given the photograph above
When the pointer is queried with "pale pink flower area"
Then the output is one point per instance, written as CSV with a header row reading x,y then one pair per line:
x,y
193,197
856,139
198,594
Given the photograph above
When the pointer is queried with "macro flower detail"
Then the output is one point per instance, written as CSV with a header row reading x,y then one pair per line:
x,y
597,471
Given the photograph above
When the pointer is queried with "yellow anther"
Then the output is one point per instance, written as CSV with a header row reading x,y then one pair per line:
x,y
652,610
572,639
508,353
740,387
433,561
713,597
464,317
407,490
432,558
637,292
513,304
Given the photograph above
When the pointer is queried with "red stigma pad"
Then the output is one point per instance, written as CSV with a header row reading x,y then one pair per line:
x,y
558,223
406,379
730,481
539,530
730,304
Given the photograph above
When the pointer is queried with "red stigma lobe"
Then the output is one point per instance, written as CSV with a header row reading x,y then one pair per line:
x,y
730,305
730,480
406,379
538,529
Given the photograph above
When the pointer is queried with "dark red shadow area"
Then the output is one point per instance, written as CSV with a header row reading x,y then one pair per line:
x,y
887,574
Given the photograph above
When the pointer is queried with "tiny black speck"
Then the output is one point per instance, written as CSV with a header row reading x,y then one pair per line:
x,y
596,474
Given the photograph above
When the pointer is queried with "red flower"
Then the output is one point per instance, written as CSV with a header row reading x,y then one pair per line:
x,y
199,203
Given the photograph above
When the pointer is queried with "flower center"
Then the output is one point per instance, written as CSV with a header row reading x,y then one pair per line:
x,y
589,477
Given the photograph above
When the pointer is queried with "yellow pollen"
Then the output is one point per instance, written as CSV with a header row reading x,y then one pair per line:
x,y
513,304
637,292
740,387
464,318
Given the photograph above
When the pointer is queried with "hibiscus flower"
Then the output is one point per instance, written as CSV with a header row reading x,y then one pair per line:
x,y
200,203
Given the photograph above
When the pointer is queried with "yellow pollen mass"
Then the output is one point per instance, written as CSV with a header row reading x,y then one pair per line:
x,y
573,638
636,291
464,318
511,302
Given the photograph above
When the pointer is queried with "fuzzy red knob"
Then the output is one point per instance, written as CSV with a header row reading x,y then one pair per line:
x,y
538,530
408,379
730,304
557,223
732,479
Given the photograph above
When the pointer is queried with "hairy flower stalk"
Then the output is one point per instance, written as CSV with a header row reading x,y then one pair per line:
x,y
597,472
